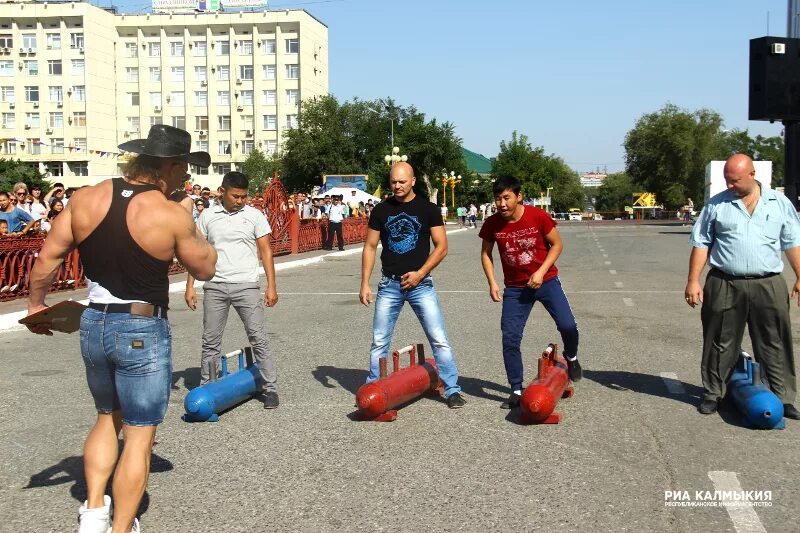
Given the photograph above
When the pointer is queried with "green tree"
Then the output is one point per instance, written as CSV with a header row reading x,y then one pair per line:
x,y
615,193
667,152
13,171
760,149
259,169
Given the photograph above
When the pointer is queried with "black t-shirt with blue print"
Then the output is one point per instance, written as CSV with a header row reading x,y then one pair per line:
x,y
405,233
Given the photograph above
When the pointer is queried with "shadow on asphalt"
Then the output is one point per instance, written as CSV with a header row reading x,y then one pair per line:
x,y
642,384
70,470
687,232
190,377
350,379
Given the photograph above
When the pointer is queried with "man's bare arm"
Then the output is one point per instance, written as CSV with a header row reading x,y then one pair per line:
x,y
58,244
367,264
192,249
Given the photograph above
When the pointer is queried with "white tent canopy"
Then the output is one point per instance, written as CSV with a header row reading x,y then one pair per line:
x,y
350,195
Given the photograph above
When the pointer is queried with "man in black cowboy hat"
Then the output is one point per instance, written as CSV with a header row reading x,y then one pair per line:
x,y
127,233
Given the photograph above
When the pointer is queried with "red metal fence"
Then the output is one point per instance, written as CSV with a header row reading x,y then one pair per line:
x,y
289,235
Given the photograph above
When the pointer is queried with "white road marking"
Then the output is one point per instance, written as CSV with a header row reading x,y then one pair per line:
x,y
628,302
612,272
618,284
745,519
673,384
607,262
605,255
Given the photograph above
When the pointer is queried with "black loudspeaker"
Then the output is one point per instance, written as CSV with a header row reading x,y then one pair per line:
x,y
774,79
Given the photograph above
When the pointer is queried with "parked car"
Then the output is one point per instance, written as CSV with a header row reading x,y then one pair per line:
x,y
575,216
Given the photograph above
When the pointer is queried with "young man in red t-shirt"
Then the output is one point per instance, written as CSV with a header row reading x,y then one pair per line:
x,y
529,245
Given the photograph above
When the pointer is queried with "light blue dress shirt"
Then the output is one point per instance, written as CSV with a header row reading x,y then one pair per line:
x,y
745,245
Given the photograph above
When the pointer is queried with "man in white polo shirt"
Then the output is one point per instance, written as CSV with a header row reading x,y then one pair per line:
x,y
240,234
336,214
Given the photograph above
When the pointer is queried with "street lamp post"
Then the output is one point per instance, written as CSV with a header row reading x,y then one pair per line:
x,y
395,157
452,180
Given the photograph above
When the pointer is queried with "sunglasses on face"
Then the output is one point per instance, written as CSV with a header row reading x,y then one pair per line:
x,y
21,193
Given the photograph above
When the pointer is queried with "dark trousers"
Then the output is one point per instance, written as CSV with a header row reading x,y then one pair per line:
x,y
335,227
730,304
517,306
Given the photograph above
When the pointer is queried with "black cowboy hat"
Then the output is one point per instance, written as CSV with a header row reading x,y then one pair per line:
x,y
168,142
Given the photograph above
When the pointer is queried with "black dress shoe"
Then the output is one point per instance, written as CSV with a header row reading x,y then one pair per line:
x,y
708,407
574,370
269,399
790,411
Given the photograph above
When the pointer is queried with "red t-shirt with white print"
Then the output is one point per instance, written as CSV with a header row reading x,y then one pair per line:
x,y
522,245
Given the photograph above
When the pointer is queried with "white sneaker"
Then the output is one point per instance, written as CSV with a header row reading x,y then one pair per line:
x,y
134,528
95,520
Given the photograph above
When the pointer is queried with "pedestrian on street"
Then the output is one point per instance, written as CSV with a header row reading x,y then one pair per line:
x,y
741,233
336,213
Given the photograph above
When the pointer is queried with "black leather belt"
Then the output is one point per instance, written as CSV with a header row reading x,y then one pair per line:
x,y
731,277
395,277
134,308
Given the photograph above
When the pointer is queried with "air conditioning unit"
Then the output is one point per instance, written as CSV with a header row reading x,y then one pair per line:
x,y
157,109
48,131
31,50
12,105
7,50
239,108
80,50
27,126
21,50
60,104
238,81
201,133
49,47
203,83
36,104
249,133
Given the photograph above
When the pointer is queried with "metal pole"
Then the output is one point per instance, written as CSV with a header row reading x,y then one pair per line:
x,y
793,19
392,141
791,128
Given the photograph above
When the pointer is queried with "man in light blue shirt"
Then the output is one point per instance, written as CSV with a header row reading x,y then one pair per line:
x,y
741,233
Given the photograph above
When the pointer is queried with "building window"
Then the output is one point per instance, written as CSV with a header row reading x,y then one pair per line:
x,y
178,99
247,98
200,73
223,147
56,93
54,67
201,123
32,120
133,125
79,118
179,122
246,72
79,143
79,168
223,98
270,147
268,46
270,122
131,50
291,121
53,41
223,72
292,96
56,119
154,49
29,40
200,49
223,48
155,99
31,67
79,92
34,146
31,93
6,68
9,120
196,170
176,49
132,74
76,40
270,97
203,145
55,168
245,48
132,98
247,122
224,122
292,46
78,67
247,146
158,119
9,147
292,72
269,72
155,73
177,74
220,168
7,94
6,41
201,97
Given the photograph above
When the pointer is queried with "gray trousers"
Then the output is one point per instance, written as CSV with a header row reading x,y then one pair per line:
x,y
247,301
763,306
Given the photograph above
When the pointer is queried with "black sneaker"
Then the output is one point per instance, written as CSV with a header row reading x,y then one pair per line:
x,y
513,401
455,401
574,370
790,411
708,407
269,399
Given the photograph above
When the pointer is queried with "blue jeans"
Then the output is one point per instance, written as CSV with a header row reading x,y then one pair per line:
x,y
128,361
517,306
425,303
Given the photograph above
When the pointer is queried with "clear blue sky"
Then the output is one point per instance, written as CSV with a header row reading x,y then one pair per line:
x,y
573,76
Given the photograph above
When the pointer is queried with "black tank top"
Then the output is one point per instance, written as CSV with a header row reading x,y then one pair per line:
x,y
112,258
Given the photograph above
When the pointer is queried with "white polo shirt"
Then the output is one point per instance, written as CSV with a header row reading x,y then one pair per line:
x,y
234,236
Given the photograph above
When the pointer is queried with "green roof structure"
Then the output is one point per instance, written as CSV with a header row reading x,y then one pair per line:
x,y
477,163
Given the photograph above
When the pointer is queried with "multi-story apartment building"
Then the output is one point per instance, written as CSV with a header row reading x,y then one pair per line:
x,y
77,80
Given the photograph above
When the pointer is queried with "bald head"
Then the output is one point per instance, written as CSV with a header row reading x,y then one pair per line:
x,y
740,175
401,180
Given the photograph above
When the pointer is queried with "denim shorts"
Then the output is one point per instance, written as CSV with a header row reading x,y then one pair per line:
x,y
128,361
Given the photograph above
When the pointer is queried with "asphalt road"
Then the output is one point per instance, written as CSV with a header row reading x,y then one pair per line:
x,y
630,433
